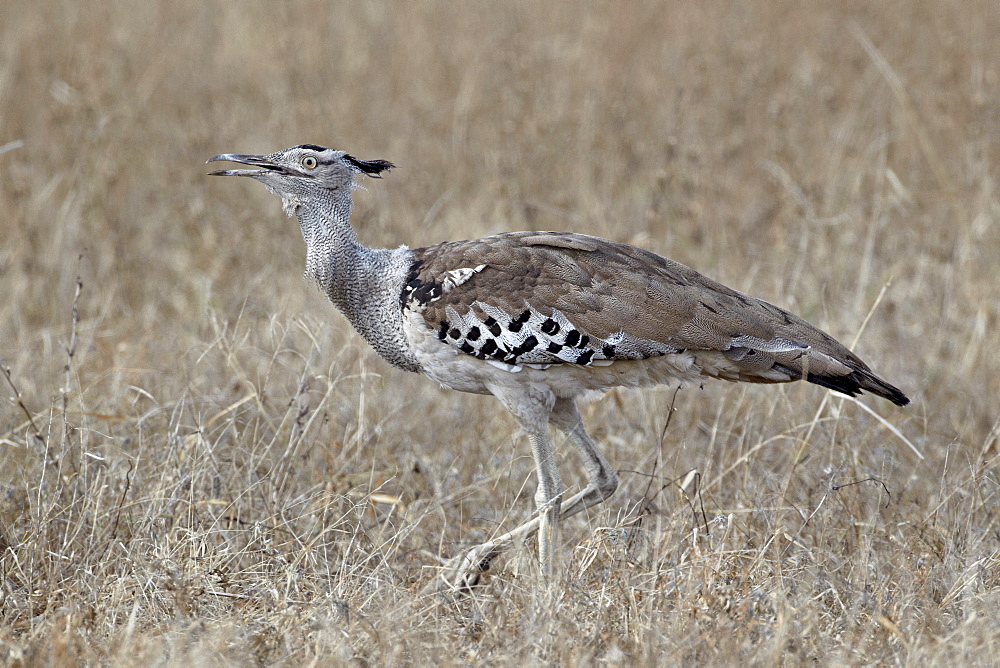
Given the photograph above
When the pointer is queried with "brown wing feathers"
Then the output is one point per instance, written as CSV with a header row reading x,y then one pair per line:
x,y
550,298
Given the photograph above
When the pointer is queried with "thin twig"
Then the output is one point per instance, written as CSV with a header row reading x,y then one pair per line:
x,y
121,502
858,482
656,463
697,492
73,340
20,402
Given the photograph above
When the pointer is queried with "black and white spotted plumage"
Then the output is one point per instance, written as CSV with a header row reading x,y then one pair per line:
x,y
532,338
529,337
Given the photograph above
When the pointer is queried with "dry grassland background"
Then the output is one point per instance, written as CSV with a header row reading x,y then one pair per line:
x,y
201,462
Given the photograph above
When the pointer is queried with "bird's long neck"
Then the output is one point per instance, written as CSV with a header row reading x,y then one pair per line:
x,y
334,256
364,283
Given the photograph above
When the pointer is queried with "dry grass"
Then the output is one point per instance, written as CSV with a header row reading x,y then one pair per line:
x,y
216,469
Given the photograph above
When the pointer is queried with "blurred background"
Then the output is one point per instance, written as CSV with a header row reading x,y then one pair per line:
x,y
836,158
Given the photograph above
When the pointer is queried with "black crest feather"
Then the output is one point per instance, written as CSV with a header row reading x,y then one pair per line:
x,y
372,168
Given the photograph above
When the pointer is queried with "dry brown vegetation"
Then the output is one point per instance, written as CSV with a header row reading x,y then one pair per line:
x,y
201,462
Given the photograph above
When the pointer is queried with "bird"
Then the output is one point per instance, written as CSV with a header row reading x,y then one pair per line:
x,y
537,319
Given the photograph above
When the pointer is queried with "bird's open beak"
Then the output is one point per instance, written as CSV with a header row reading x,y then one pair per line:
x,y
261,161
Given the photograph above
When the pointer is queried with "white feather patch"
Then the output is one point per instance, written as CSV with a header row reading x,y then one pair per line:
x,y
455,277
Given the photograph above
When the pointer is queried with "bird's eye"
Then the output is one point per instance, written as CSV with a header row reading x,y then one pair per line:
x,y
309,162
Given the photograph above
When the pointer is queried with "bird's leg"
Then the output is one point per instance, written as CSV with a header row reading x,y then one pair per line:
x,y
602,481
531,409
463,572
548,501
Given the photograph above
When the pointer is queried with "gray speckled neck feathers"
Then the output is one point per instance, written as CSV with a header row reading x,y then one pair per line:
x,y
364,283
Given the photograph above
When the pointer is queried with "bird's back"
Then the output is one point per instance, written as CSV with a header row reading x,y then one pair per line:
x,y
549,300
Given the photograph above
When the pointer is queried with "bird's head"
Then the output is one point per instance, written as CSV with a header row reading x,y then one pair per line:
x,y
302,172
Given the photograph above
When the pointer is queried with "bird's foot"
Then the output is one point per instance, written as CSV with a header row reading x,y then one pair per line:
x,y
460,574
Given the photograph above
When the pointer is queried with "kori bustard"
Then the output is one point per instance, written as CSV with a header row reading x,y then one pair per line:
x,y
538,318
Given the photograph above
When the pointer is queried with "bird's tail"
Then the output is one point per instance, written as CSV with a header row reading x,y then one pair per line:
x,y
858,380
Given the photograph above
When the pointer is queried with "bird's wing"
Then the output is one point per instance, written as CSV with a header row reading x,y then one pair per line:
x,y
544,298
